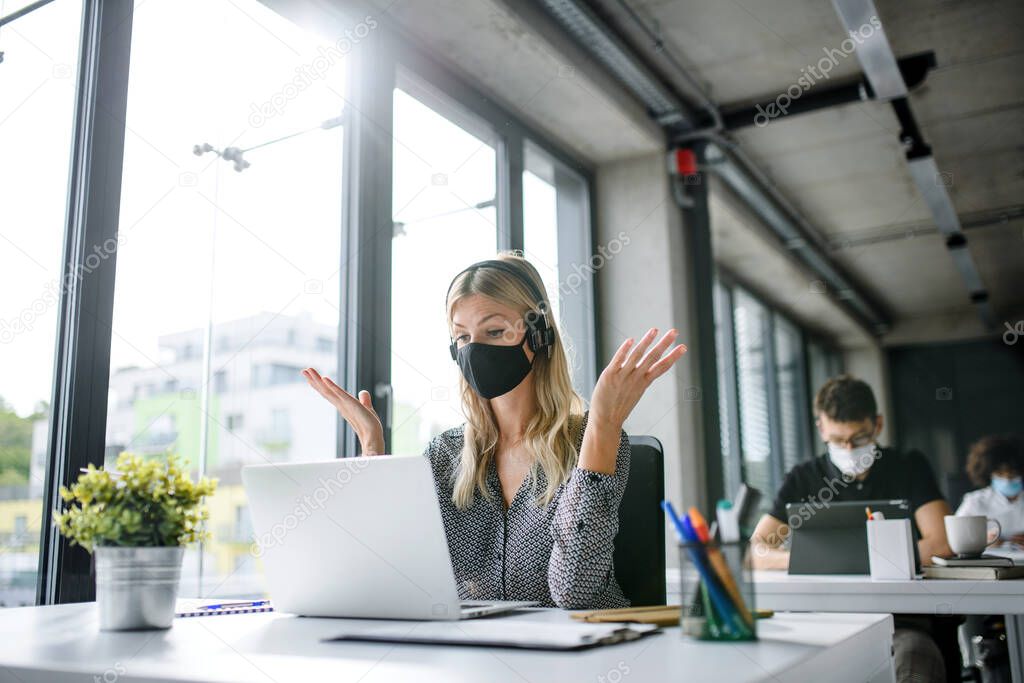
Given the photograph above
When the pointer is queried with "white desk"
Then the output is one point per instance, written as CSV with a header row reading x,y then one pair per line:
x,y
858,593
62,643
778,590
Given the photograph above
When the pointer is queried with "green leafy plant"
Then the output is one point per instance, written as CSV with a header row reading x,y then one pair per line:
x,y
142,503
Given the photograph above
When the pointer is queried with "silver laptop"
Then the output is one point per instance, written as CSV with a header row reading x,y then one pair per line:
x,y
356,537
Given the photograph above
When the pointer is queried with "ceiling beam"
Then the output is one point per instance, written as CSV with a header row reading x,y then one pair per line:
x,y
914,68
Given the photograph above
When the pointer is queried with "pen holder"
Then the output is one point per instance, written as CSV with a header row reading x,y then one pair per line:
x,y
717,591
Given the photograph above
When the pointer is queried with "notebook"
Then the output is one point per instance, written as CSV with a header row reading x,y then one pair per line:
x,y
982,561
974,573
202,608
514,633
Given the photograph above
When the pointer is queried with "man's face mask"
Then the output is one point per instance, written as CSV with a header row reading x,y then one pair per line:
x,y
492,370
852,461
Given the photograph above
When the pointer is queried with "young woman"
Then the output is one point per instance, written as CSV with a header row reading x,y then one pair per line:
x,y
530,485
997,463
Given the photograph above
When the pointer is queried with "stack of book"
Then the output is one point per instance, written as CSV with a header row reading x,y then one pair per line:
x,y
984,568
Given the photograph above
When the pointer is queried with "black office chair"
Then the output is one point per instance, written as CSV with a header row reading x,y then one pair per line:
x,y
957,486
639,557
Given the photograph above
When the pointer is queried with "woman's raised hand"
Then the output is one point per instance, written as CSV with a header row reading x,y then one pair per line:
x,y
358,412
630,372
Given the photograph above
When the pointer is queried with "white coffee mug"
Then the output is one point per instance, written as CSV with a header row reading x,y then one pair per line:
x,y
968,534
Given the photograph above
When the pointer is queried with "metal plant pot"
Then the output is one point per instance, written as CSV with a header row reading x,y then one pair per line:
x,y
136,588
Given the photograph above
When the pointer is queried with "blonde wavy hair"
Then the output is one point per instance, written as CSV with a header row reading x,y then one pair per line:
x,y
551,432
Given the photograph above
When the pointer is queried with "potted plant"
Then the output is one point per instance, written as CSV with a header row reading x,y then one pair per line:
x,y
136,520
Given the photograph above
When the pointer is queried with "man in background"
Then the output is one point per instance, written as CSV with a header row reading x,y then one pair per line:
x,y
856,468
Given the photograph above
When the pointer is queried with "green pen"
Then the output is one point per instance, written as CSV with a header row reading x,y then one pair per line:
x,y
711,620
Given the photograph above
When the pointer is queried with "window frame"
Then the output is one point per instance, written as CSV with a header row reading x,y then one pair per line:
x,y
78,401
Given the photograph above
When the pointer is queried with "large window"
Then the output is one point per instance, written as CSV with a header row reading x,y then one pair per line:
x,y
445,213
37,104
227,270
732,465
752,363
556,240
247,169
767,372
792,402
444,199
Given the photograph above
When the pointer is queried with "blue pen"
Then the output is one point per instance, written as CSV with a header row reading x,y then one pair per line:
x,y
671,512
223,605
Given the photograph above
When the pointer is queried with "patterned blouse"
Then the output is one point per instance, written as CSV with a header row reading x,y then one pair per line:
x,y
559,555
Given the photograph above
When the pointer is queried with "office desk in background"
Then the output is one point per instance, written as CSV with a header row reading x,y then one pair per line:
x,y
62,643
780,591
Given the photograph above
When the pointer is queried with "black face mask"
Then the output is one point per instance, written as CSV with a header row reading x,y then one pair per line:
x,y
492,371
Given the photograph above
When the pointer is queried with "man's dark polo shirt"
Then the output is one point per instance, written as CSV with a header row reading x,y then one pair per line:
x,y
893,475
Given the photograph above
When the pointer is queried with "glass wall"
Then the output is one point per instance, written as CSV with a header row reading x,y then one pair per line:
x,y
228,259
37,107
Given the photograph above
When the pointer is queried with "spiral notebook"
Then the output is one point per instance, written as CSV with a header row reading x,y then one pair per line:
x,y
213,608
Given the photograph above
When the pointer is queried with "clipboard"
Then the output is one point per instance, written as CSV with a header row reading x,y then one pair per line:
x,y
504,633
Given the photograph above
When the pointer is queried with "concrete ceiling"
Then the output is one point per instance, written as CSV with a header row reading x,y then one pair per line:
x,y
843,168
749,253
554,86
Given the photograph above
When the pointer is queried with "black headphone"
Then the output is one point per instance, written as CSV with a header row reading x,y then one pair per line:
x,y
539,333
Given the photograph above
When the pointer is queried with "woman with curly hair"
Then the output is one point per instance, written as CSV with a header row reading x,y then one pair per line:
x,y
997,464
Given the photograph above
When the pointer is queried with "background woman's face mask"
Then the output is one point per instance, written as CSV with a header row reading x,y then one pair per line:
x,y
492,370
1008,486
